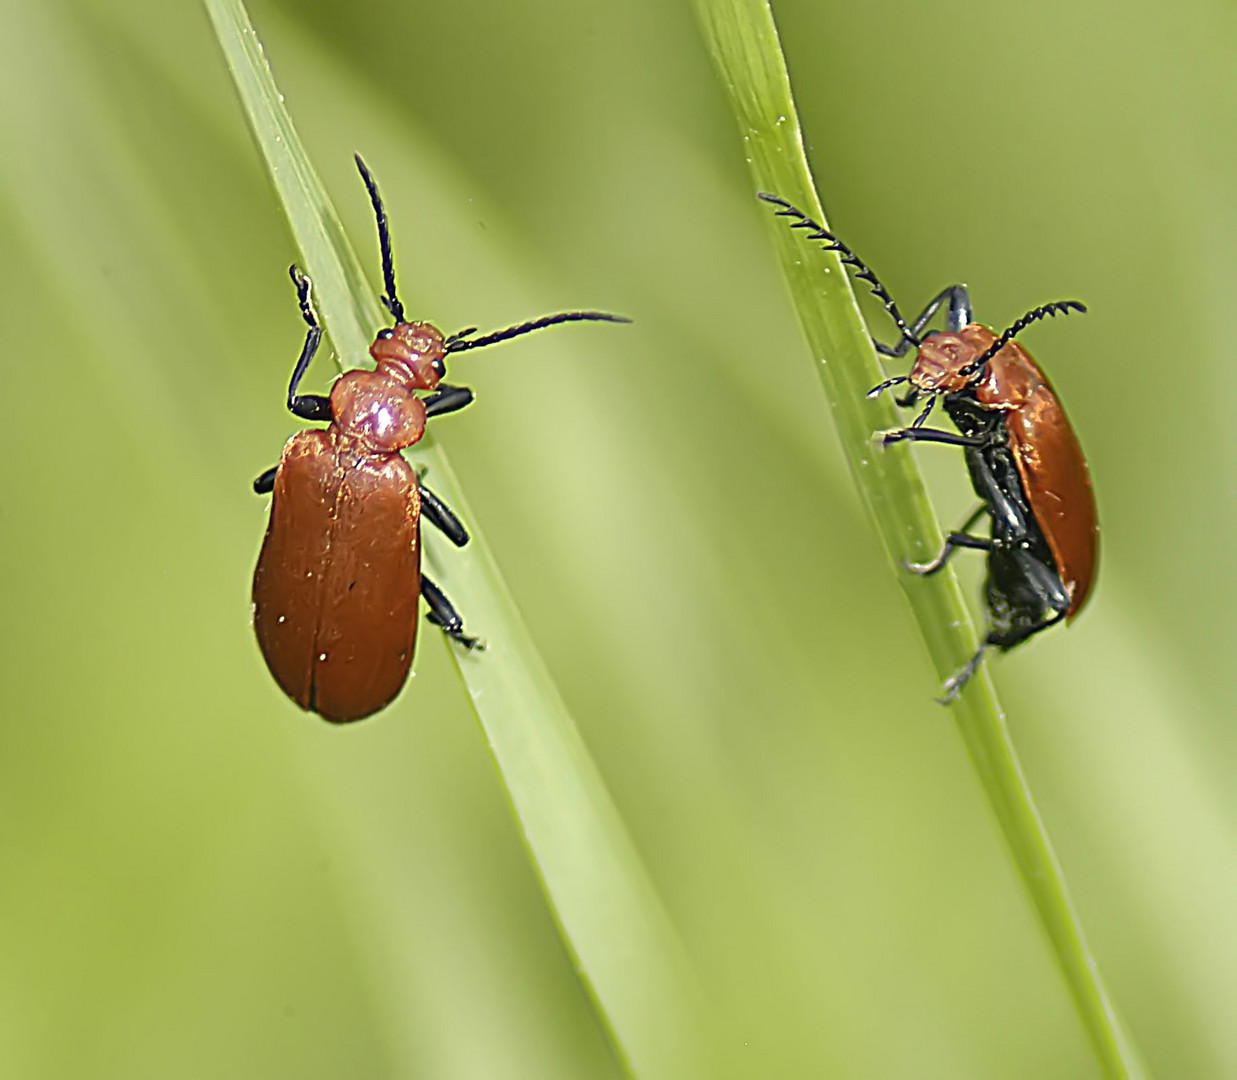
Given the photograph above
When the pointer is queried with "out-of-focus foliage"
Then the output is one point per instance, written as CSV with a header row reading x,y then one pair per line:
x,y
201,881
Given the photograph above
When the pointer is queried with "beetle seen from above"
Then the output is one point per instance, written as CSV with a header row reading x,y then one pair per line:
x,y
336,588
1023,457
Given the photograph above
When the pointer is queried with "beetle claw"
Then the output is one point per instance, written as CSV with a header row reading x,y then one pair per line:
x,y
455,631
954,684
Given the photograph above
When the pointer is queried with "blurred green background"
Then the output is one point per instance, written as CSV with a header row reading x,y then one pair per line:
x,y
200,881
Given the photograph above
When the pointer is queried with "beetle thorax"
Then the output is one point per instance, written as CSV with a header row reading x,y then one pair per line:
x,y
410,353
1011,380
379,411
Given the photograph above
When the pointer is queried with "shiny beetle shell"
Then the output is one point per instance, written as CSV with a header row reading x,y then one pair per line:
x,y
336,588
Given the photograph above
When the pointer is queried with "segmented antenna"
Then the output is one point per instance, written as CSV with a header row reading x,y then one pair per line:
x,y
1059,307
800,220
390,300
462,340
459,334
923,416
880,388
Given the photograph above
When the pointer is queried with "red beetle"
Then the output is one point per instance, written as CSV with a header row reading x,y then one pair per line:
x,y
336,586
1023,456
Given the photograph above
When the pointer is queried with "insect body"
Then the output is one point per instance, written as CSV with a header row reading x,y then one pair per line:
x,y
336,587
1024,459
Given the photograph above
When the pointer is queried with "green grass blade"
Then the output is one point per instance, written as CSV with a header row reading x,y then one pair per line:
x,y
743,39
606,908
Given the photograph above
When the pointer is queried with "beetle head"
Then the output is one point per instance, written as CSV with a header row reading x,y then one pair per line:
x,y
945,361
411,353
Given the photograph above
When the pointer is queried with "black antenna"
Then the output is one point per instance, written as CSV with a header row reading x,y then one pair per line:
x,y
460,341
923,416
881,387
466,332
832,243
1062,307
390,300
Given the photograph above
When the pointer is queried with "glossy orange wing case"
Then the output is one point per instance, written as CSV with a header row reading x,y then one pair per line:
x,y
342,554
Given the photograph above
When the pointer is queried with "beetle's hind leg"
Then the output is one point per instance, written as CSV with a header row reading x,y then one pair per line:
x,y
954,684
442,613
960,538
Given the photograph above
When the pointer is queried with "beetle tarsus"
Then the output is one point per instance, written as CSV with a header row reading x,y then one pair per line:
x,y
442,613
954,684
313,338
953,541
456,633
960,537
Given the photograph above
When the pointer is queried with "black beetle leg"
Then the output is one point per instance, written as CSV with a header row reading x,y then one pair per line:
x,y
954,684
914,434
959,538
952,542
960,310
446,399
306,406
437,513
265,483
443,614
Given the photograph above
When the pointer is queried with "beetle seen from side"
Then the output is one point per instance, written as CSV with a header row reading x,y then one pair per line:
x,y
1024,459
336,587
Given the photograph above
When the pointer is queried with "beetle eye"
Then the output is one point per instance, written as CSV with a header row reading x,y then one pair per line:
x,y
440,369
386,335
